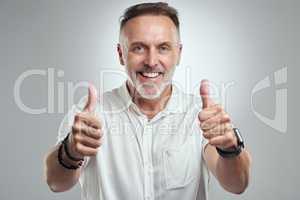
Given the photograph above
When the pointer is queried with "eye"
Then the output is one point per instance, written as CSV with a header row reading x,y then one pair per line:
x,y
164,49
138,49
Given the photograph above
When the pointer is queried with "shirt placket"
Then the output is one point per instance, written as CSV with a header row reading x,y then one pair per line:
x,y
147,159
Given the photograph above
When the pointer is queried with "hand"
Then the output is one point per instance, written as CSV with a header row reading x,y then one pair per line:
x,y
215,122
85,138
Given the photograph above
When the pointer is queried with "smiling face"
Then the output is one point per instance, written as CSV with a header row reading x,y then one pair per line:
x,y
150,49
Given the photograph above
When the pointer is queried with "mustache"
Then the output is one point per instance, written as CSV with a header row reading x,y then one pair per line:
x,y
148,69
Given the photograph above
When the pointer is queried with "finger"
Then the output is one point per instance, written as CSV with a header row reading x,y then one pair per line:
x,y
86,151
205,94
88,119
88,141
209,112
213,121
82,128
92,99
223,141
218,130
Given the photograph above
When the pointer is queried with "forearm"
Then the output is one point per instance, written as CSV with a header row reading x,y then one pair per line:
x,y
233,173
58,178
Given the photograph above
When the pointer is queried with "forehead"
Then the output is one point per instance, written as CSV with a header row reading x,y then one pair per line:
x,y
150,29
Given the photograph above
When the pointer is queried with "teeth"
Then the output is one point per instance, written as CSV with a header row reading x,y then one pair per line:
x,y
151,75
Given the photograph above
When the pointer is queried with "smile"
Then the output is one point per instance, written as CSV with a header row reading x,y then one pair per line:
x,y
150,74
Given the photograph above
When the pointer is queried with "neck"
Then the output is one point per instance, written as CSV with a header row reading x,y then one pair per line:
x,y
150,107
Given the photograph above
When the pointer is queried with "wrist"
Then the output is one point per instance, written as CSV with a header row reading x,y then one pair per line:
x,y
234,150
67,160
64,160
228,149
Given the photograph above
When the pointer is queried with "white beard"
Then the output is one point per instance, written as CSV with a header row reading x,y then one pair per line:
x,y
141,87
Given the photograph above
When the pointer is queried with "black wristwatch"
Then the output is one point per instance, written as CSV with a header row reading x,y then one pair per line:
x,y
237,150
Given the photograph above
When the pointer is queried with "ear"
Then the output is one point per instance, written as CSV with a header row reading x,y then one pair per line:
x,y
120,53
179,53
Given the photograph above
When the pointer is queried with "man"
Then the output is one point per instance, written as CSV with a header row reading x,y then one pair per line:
x,y
147,139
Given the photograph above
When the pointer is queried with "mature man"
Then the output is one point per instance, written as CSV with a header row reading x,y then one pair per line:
x,y
147,139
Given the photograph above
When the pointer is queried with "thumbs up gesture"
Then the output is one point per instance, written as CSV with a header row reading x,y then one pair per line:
x,y
85,138
214,121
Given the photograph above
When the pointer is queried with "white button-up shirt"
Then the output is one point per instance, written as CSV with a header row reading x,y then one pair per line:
x,y
157,159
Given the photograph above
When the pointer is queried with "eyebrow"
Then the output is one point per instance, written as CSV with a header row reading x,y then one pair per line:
x,y
144,44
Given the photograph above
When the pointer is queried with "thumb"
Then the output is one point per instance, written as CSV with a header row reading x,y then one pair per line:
x,y
204,93
92,99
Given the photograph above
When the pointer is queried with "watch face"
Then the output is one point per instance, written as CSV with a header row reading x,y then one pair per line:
x,y
239,137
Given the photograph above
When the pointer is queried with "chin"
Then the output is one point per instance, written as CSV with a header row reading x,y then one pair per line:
x,y
150,90
151,95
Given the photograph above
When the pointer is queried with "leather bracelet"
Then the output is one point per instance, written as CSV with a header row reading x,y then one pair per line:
x,y
62,163
65,144
229,154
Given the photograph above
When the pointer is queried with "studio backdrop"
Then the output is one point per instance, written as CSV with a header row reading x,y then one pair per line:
x,y
249,50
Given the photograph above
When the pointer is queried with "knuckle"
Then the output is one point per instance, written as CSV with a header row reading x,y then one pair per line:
x,y
98,143
201,116
226,117
86,129
97,124
210,133
203,125
93,152
210,136
75,128
219,108
78,148
80,115
228,126
96,120
77,138
77,117
92,132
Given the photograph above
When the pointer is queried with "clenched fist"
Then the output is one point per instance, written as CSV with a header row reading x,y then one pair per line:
x,y
215,122
85,138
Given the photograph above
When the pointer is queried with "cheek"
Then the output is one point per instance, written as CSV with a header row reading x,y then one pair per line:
x,y
134,61
169,61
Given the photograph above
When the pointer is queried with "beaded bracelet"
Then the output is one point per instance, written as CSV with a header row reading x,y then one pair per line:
x,y
61,161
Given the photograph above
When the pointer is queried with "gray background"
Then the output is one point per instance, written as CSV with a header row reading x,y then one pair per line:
x,y
224,41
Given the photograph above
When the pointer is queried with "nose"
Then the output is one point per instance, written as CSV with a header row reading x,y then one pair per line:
x,y
151,58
